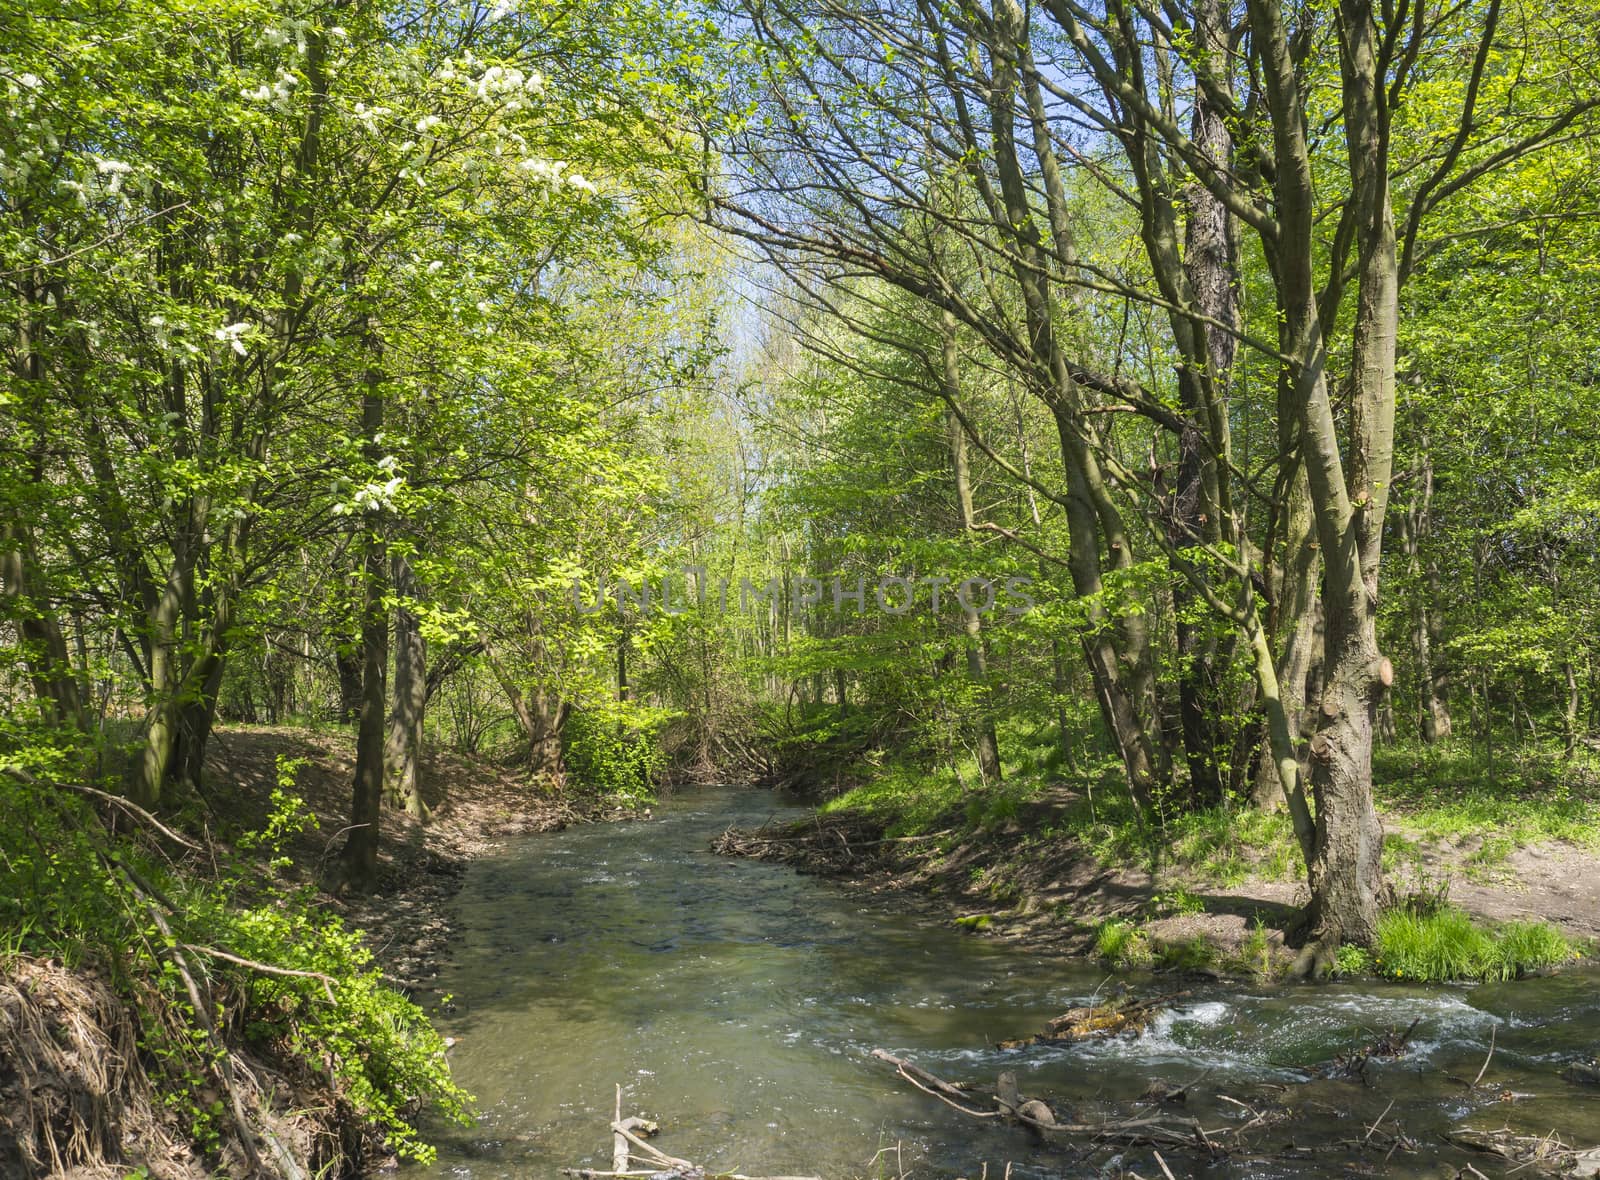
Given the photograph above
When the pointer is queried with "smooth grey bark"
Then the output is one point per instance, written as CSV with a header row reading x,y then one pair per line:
x,y
1430,675
403,747
1349,483
987,741
541,714
1117,647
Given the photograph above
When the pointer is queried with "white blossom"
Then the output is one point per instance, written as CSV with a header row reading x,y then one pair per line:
x,y
230,335
369,116
578,181
427,123
115,167
375,497
30,81
547,171
435,266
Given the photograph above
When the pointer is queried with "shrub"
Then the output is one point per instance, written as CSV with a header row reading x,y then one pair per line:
x,y
78,894
607,757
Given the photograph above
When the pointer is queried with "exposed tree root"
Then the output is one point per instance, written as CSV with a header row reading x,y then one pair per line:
x,y
76,1098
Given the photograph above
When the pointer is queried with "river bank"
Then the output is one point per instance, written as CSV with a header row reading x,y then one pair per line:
x,y
1044,866
207,1014
475,805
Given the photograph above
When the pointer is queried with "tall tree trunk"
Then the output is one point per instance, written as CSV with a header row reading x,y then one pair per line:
x,y
542,716
987,741
55,684
1293,619
1206,279
403,750
360,860
1349,486
196,718
161,720
1118,648
22,595
1415,525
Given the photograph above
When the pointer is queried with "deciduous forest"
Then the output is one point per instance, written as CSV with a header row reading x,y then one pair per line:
x,y
1130,469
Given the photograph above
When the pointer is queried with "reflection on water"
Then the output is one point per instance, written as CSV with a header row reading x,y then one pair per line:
x,y
736,1003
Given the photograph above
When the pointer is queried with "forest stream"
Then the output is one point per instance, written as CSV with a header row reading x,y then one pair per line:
x,y
737,1003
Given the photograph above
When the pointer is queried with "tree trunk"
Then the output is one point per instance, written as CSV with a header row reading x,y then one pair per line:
x,y
1207,279
161,720
1117,647
542,716
1294,618
403,750
360,860
195,720
347,660
1570,712
1430,675
988,743
55,685
1349,483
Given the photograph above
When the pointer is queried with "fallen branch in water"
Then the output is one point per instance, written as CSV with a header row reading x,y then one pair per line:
x,y
1037,1115
1546,1153
629,1148
1097,1020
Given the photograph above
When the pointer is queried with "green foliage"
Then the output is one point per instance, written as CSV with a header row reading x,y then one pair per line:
x,y
64,892
1187,954
1449,792
1177,901
1352,960
1444,943
606,757
1254,956
1221,845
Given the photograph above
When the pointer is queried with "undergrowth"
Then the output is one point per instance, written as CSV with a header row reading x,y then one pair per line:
x,y
158,926
1447,792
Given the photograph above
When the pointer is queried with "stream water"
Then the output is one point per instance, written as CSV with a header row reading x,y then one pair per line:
x,y
736,1002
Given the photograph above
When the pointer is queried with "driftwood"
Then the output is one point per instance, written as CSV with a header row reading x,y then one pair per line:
x,y
631,1156
1584,1073
830,844
1546,1153
1097,1020
1009,1104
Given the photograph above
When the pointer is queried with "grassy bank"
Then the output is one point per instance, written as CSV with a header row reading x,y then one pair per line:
x,y
1479,860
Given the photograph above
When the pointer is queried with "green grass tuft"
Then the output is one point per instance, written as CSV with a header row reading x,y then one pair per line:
x,y
1123,945
1447,944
